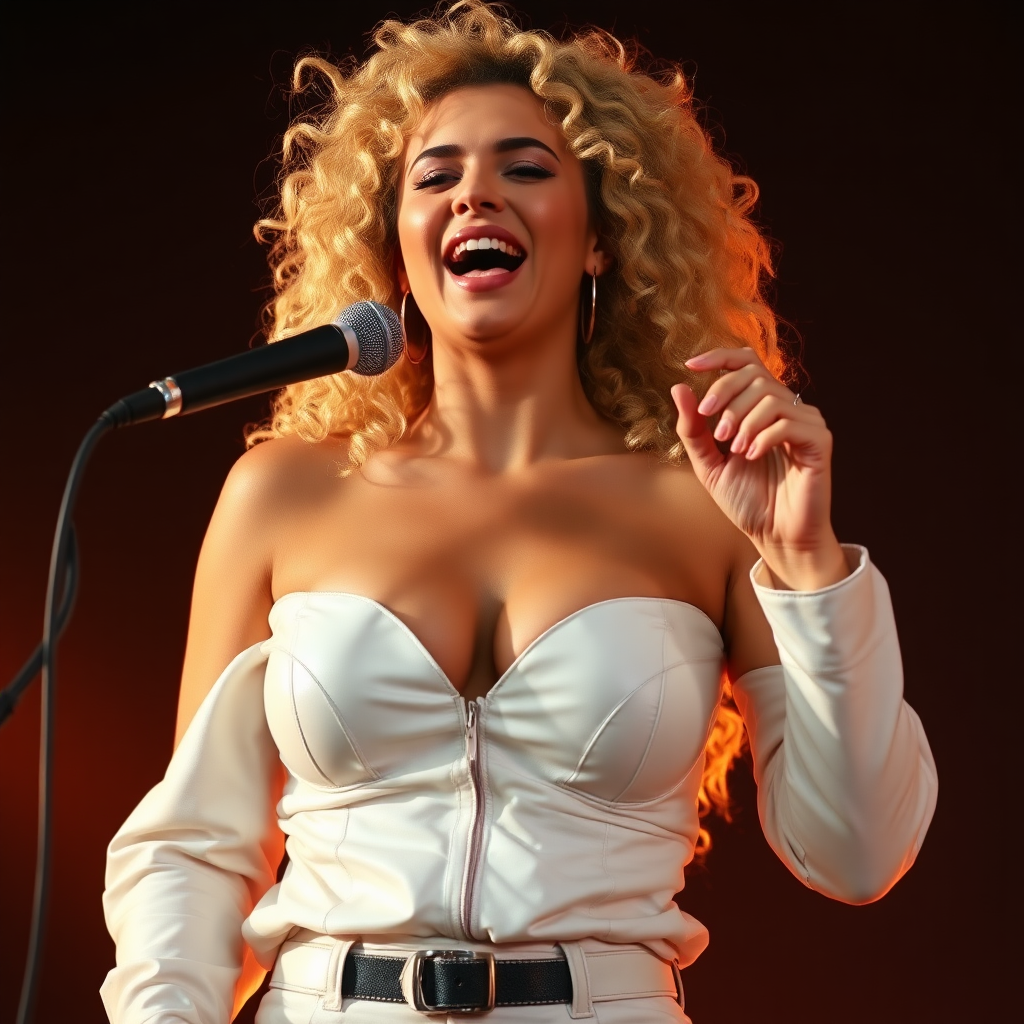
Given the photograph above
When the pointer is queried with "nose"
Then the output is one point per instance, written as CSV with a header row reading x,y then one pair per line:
x,y
478,192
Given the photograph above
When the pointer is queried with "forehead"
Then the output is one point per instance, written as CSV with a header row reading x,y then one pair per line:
x,y
479,115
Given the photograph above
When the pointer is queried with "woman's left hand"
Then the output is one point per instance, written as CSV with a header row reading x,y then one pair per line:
x,y
775,483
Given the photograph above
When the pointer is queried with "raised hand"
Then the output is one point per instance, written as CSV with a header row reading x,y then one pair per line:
x,y
775,482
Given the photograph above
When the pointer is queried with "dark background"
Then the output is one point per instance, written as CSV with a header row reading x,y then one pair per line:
x,y
137,146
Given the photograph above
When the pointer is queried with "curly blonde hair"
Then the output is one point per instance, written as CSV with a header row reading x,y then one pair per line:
x,y
689,264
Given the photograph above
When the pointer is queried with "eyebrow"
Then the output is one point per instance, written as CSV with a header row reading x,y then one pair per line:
x,y
502,146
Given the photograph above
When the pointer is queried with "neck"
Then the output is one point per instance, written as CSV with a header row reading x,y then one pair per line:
x,y
500,408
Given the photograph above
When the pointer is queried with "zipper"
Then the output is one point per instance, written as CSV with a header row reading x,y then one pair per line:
x,y
476,829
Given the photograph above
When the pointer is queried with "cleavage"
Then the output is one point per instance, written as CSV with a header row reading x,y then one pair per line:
x,y
492,650
476,637
468,634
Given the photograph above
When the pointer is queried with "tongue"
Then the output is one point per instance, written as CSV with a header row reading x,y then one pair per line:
x,y
490,272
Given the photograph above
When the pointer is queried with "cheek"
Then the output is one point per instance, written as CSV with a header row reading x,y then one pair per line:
x,y
415,231
563,219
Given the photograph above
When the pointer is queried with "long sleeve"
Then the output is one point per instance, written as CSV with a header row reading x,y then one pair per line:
x,y
846,780
193,858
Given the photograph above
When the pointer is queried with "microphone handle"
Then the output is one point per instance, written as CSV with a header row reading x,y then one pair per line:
x,y
316,353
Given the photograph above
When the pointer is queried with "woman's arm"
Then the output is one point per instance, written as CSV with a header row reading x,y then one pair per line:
x,y
846,780
203,846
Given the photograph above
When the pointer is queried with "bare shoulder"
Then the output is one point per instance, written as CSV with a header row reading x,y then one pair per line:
x,y
680,496
281,472
686,498
274,484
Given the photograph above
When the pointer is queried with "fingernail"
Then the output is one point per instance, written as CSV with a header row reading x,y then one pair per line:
x,y
722,430
752,451
708,405
694,359
738,445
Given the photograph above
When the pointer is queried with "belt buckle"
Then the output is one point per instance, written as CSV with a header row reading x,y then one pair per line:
x,y
418,958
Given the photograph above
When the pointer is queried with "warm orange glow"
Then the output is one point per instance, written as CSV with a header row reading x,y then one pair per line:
x,y
727,741
249,981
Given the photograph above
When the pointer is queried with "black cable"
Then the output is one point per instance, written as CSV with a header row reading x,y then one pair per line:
x,y
12,693
62,549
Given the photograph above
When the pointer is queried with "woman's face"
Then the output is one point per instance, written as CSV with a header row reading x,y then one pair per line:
x,y
493,226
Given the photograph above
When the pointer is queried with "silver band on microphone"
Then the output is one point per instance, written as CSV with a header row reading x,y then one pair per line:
x,y
353,343
171,393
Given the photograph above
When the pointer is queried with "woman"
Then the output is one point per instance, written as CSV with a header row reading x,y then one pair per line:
x,y
502,580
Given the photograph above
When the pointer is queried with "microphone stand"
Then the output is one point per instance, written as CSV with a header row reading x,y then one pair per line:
x,y
63,565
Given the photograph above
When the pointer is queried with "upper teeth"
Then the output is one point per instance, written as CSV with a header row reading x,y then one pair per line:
x,y
485,243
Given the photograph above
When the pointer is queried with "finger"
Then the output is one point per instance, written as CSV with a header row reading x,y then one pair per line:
x,y
762,411
727,387
739,392
695,434
723,359
809,443
735,395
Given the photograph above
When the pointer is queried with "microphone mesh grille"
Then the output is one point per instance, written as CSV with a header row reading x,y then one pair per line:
x,y
380,336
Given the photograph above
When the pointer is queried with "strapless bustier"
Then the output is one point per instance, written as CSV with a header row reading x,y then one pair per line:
x,y
612,702
561,806
515,817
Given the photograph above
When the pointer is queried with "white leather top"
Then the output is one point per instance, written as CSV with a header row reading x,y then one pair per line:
x,y
574,820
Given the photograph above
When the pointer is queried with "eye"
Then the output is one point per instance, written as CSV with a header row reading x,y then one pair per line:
x,y
435,177
530,171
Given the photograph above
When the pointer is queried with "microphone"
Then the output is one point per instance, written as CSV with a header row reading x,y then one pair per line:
x,y
365,338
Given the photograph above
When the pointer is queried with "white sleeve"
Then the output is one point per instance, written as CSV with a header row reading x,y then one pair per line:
x,y
192,860
846,780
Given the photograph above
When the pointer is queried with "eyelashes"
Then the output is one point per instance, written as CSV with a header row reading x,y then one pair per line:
x,y
534,171
435,178
527,171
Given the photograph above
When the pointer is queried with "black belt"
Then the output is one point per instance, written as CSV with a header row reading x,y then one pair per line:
x,y
457,980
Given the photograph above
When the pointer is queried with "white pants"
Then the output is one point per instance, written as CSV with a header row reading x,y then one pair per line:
x,y
306,983
281,1007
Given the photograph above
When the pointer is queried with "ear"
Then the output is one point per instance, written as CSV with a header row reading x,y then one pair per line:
x,y
400,274
597,261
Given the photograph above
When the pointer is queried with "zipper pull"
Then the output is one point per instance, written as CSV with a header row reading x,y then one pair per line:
x,y
471,727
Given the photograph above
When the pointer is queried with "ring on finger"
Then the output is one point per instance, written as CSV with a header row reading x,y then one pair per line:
x,y
798,400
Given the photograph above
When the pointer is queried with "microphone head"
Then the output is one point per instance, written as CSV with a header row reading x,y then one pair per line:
x,y
379,332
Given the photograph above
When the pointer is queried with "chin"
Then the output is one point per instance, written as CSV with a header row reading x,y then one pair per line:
x,y
487,325
486,330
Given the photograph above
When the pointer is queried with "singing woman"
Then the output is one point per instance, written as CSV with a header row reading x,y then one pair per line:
x,y
461,633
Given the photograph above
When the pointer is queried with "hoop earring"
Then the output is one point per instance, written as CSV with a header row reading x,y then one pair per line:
x,y
417,352
588,331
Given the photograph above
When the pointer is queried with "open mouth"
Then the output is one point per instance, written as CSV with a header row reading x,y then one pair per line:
x,y
484,257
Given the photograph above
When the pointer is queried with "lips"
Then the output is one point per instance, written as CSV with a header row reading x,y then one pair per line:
x,y
483,251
